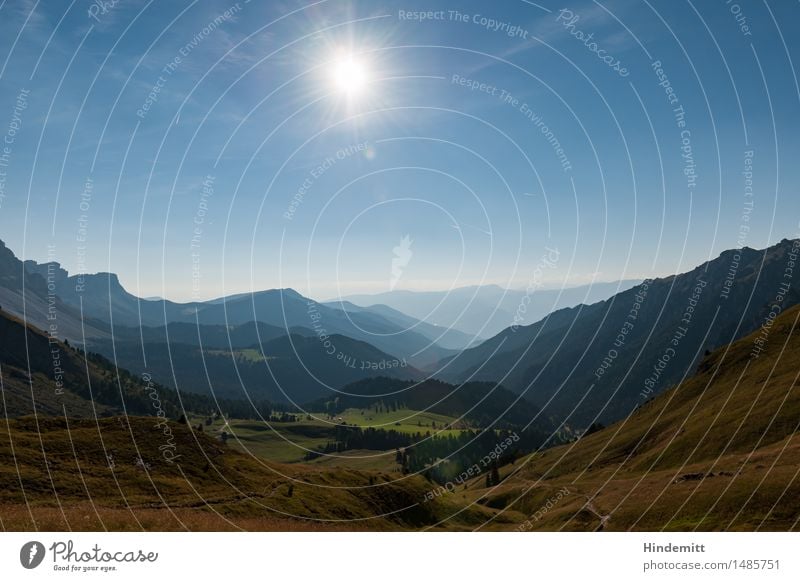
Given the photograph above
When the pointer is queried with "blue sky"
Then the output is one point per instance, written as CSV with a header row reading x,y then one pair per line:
x,y
452,141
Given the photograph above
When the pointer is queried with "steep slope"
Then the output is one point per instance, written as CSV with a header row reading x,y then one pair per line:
x,y
598,362
720,451
41,375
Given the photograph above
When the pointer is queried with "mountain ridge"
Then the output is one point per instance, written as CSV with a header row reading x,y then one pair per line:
x,y
594,355
90,303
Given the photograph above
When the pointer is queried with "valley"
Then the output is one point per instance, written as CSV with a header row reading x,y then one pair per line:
x,y
252,427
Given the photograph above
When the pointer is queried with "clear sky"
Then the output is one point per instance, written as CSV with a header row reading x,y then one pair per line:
x,y
206,148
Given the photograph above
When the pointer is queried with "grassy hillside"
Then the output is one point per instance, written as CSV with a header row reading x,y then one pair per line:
x,y
479,403
113,474
275,441
282,441
48,377
718,452
79,463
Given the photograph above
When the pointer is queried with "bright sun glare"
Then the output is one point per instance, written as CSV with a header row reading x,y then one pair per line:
x,y
349,75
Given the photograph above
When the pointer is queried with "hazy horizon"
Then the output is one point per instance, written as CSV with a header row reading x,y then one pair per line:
x,y
371,288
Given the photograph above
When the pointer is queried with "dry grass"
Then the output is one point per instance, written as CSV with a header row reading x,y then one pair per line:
x,y
719,452
735,420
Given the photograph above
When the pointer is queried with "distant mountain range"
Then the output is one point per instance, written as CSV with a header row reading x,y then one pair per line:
x,y
45,376
245,346
284,369
24,292
447,337
580,365
484,311
599,362
102,297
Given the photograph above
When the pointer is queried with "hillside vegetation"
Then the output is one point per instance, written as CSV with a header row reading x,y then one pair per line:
x,y
114,474
718,452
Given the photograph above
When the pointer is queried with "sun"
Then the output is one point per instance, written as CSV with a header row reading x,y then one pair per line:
x,y
349,75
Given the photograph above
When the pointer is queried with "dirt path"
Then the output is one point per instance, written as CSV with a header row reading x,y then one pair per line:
x,y
590,506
